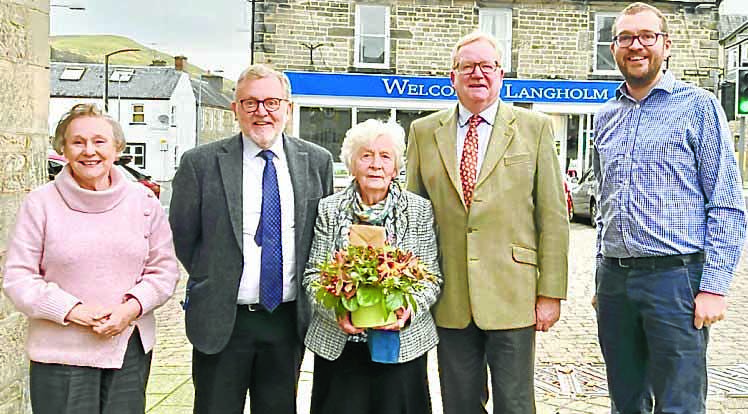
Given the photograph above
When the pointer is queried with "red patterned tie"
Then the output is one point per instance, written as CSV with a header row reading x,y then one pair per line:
x,y
469,161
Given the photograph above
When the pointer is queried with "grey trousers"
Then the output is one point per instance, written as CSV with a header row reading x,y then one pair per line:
x,y
463,356
70,389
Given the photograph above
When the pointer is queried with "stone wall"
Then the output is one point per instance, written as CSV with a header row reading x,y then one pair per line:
x,y
24,99
549,38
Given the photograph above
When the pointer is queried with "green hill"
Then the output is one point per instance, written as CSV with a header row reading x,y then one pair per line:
x,y
92,48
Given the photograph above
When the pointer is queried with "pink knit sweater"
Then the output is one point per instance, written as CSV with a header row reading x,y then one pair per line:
x,y
73,245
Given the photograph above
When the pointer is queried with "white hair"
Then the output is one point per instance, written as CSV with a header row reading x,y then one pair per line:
x,y
365,132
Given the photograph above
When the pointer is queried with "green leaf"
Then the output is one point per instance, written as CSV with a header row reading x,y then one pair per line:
x,y
394,300
350,304
412,302
329,301
369,295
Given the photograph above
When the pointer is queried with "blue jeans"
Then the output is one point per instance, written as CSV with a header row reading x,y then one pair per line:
x,y
655,358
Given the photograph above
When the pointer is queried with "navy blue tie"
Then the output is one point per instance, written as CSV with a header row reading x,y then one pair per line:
x,y
268,236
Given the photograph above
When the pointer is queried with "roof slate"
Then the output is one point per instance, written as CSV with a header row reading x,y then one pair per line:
x,y
147,82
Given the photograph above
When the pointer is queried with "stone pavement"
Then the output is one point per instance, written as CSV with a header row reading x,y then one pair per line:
x,y
569,372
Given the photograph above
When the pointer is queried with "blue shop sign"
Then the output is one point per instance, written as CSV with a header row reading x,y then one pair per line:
x,y
414,87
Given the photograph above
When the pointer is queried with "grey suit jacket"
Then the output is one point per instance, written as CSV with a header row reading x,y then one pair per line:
x,y
416,233
206,219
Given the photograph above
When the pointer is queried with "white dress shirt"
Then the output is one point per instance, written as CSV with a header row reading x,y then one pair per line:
x,y
252,168
484,131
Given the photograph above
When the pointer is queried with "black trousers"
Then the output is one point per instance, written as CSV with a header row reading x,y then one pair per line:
x,y
354,384
70,389
463,355
263,357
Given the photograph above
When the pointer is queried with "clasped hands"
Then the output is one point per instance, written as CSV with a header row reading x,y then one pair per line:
x,y
402,313
105,321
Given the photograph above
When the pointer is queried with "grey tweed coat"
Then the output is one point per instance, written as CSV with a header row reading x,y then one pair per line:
x,y
415,232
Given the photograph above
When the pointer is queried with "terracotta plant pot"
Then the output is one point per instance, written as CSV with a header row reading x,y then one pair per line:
x,y
371,316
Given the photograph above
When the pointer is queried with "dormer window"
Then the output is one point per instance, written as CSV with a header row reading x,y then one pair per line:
x,y
72,74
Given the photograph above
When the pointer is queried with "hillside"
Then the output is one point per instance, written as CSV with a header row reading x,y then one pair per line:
x,y
92,48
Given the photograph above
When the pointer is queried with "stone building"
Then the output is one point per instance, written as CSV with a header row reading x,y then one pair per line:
x,y
215,119
24,97
352,60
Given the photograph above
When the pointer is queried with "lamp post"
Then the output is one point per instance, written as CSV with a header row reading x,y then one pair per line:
x,y
252,34
106,74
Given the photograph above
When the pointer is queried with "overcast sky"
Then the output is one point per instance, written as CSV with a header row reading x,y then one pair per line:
x,y
212,34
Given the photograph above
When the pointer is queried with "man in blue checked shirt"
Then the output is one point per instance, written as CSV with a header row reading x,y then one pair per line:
x,y
671,224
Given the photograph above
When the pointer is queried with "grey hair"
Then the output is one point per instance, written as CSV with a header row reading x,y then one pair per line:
x,y
260,71
365,132
81,111
474,37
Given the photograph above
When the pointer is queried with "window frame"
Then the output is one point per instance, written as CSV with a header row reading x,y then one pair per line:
x,y
506,42
596,42
357,35
72,73
127,151
133,113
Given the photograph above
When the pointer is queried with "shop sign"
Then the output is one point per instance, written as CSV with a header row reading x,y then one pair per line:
x,y
413,87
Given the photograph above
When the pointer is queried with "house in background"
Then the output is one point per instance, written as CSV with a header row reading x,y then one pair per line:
x,y
154,104
215,119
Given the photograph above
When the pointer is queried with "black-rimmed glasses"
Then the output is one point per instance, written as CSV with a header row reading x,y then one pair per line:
x,y
270,104
467,68
645,39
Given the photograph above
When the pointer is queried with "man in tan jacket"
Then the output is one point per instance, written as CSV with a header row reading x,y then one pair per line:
x,y
492,174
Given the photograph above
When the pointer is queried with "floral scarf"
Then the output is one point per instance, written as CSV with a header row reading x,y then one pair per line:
x,y
354,211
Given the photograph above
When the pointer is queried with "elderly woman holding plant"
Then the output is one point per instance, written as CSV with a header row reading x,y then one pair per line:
x,y
90,259
346,378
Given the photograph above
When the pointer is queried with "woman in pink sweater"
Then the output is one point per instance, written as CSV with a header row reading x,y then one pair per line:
x,y
90,259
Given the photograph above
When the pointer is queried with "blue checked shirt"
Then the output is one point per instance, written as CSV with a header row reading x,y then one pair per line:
x,y
668,180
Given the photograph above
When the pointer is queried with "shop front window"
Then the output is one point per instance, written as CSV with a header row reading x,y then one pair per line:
x,y
363,114
406,117
325,126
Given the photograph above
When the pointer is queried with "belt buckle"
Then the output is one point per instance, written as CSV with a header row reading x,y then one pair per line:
x,y
254,307
622,264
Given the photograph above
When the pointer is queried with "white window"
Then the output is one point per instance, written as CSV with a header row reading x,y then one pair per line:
x,y
138,114
121,75
372,40
136,151
74,74
173,115
603,60
498,23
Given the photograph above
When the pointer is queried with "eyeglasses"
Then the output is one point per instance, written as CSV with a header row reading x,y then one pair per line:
x,y
270,104
467,68
645,39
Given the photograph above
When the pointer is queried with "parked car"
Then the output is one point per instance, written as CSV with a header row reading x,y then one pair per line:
x,y
584,197
55,163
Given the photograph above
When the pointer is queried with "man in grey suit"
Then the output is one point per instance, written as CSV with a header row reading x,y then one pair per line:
x,y
242,213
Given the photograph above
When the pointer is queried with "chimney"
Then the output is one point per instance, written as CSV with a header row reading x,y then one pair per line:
x,y
214,81
158,62
179,62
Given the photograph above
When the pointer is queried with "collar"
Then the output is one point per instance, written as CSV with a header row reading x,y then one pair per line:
x,y
488,114
666,84
252,150
89,201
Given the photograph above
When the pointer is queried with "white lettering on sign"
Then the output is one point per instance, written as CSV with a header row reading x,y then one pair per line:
x,y
407,88
555,93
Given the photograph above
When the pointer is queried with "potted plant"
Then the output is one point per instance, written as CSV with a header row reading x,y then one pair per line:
x,y
371,283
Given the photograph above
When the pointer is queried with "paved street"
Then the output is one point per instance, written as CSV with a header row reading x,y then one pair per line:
x,y
569,373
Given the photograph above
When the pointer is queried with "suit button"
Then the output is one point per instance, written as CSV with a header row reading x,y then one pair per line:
x,y
471,229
